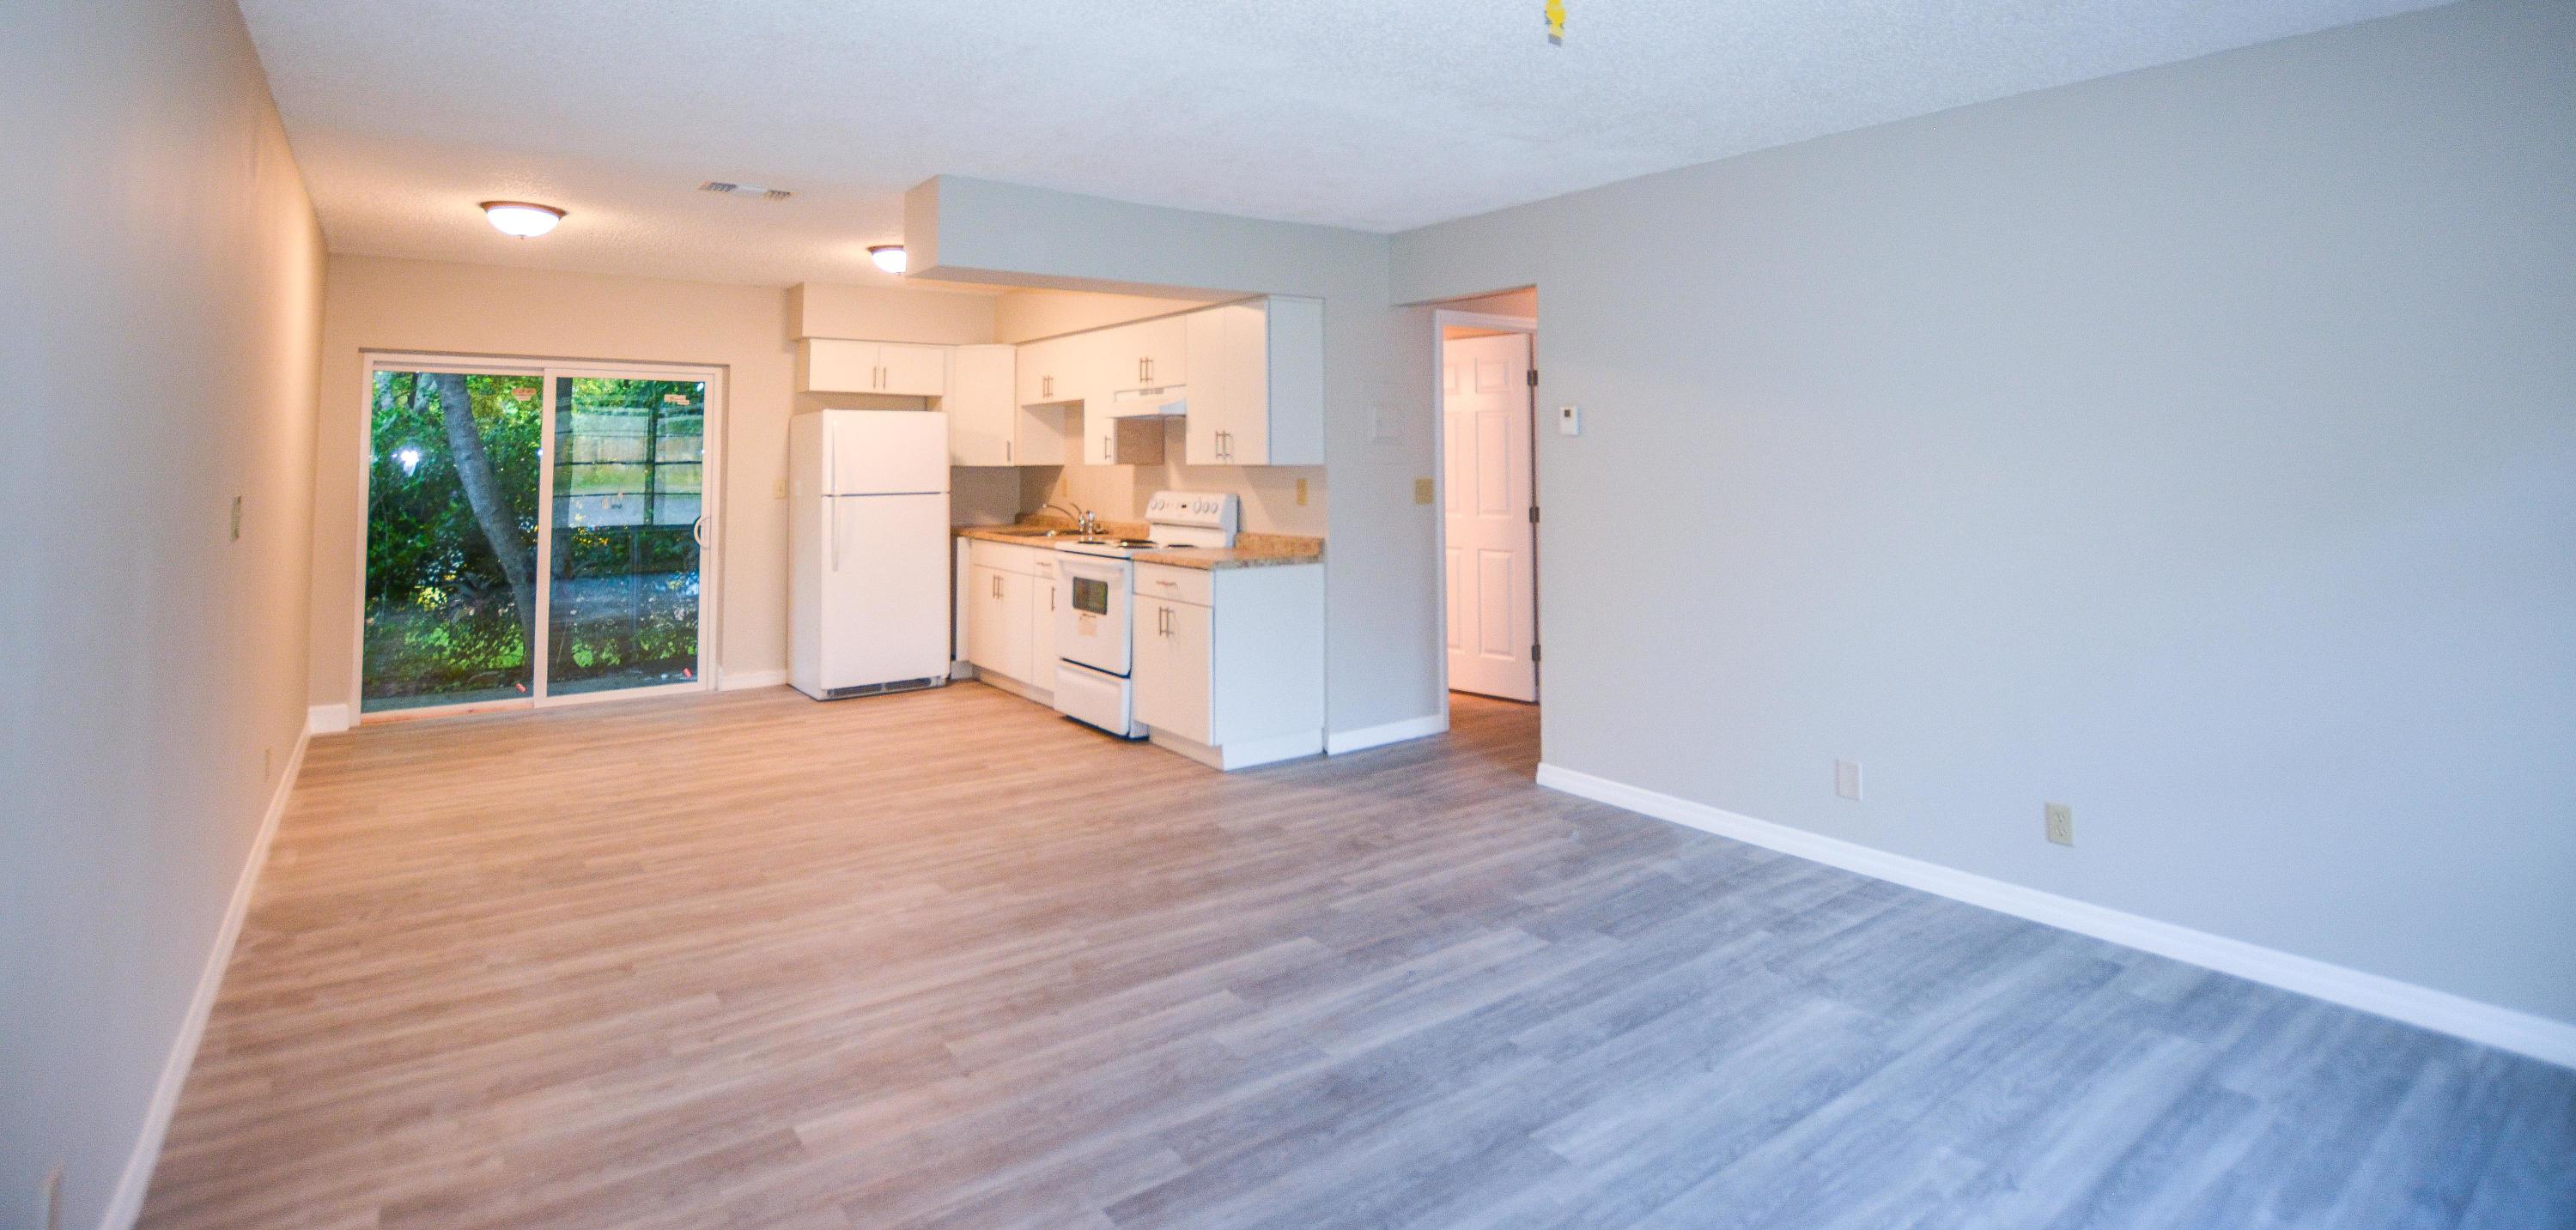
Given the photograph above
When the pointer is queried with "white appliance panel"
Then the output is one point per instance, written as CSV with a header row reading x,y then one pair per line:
x,y
1103,700
885,452
884,589
1091,612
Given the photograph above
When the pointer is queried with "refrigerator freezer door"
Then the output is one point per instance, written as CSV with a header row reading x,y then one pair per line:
x,y
884,582
886,452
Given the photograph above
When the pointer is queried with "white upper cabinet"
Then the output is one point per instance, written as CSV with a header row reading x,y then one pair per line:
x,y
982,417
913,370
1256,383
897,369
1149,354
1109,440
1050,373
987,425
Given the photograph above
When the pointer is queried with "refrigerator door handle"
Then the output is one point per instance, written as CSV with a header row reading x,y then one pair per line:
x,y
832,528
831,460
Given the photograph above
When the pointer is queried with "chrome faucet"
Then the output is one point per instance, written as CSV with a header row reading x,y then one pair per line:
x,y
1085,522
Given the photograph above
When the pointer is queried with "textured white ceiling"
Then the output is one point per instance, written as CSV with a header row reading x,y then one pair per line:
x,y
1381,115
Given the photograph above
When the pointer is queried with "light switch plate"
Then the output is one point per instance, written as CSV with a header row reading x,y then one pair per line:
x,y
1301,493
1422,491
1847,779
1569,420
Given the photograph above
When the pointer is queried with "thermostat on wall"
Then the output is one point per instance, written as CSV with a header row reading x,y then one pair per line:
x,y
1569,420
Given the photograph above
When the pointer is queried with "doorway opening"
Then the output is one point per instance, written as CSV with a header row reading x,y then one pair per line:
x,y
537,533
1485,356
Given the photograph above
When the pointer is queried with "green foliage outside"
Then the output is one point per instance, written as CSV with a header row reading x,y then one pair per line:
x,y
443,623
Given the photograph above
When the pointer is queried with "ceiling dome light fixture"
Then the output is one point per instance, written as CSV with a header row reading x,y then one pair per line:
x,y
521,218
888,256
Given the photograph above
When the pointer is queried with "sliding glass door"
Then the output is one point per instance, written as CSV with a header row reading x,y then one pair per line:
x,y
450,606
630,464
534,533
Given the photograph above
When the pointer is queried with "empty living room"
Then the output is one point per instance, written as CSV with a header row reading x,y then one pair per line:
x,y
1857,615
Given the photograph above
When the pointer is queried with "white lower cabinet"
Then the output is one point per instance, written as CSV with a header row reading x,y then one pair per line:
x,y
998,625
1008,609
1229,664
1042,622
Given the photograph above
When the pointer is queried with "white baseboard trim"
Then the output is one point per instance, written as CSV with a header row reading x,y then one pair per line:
x,y
326,719
1367,737
736,681
2504,1028
125,1204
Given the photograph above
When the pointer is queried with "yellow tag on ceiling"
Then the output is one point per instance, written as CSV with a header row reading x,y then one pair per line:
x,y
1556,22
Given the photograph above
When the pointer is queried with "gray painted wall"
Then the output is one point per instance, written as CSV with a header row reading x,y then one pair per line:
x,y
157,325
2196,447
1381,646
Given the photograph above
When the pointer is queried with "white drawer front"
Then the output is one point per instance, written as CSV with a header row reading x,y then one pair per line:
x,y
1007,557
1194,585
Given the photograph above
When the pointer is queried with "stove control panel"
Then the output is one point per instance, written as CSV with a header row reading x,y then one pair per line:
x,y
1211,510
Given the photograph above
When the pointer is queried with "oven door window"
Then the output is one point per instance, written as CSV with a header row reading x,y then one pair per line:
x,y
1091,594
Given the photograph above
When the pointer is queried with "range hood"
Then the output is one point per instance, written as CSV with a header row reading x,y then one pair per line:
x,y
1168,402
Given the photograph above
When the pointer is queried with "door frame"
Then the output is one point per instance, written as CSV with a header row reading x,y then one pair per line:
x,y
1442,320
545,371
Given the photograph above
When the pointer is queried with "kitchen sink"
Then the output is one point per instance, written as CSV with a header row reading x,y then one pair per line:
x,y
1024,531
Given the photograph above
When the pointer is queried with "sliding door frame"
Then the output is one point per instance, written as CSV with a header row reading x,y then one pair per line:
x,y
710,528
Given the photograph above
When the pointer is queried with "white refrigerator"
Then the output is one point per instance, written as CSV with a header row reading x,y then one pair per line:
x,y
867,552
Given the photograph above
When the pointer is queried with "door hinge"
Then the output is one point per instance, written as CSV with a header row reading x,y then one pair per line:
x,y
1533,377
1533,653
1533,514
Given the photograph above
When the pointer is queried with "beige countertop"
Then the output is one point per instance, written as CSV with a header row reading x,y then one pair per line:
x,y
1248,551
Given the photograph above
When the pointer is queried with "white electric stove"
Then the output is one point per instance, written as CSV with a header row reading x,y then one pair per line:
x,y
1096,578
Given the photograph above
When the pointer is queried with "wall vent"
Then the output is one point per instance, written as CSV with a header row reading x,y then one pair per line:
x,y
757,192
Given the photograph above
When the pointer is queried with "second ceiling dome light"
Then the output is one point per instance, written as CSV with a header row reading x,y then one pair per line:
x,y
521,218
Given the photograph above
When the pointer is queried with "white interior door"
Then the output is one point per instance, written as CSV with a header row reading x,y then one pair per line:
x,y
1492,553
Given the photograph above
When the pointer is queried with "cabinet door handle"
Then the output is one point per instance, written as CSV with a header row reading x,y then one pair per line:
x,y
1006,452
997,587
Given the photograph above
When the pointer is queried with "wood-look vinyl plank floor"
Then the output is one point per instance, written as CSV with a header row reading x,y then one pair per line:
x,y
947,960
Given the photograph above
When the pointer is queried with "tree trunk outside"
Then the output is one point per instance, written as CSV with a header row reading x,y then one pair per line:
x,y
483,493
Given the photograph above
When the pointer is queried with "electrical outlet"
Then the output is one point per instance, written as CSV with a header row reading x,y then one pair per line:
x,y
54,1199
1422,491
236,518
1847,779
2061,824
1301,493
